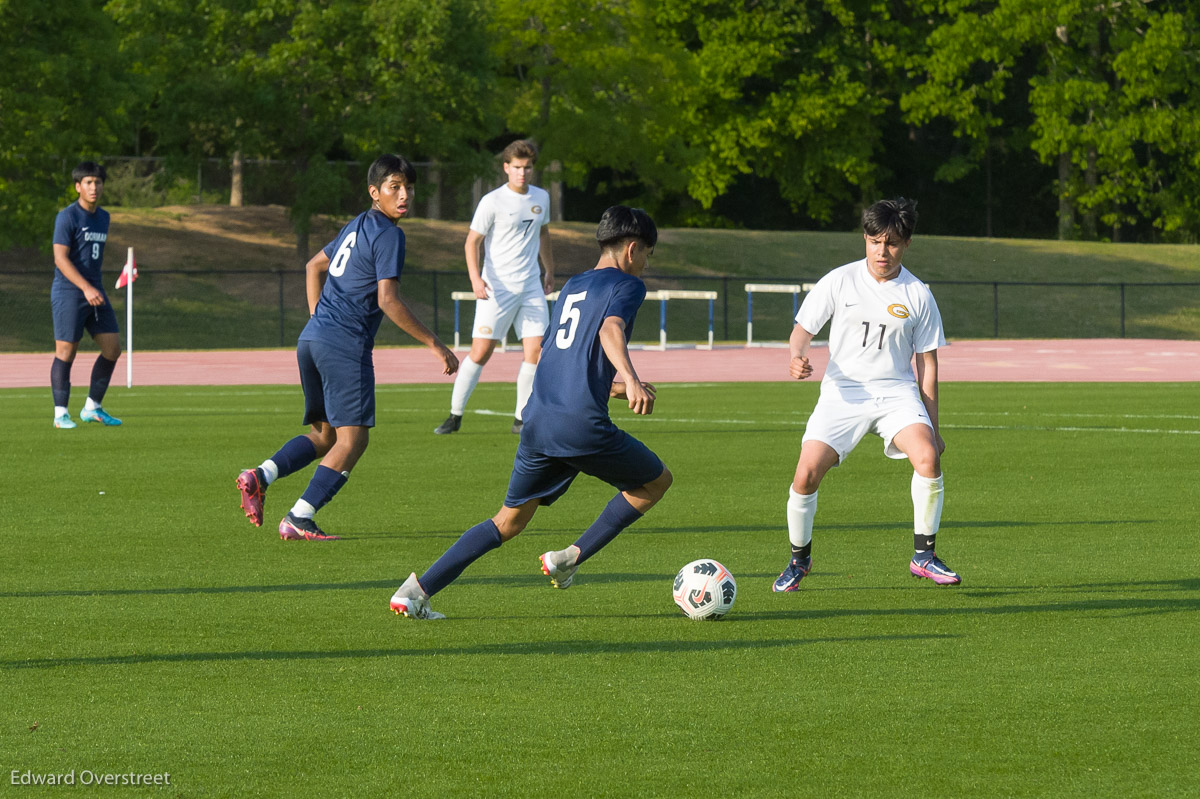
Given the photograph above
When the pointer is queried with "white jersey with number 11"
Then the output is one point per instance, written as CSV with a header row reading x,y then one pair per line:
x,y
876,330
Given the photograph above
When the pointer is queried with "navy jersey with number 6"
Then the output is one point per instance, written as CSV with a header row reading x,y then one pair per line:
x,y
567,412
368,249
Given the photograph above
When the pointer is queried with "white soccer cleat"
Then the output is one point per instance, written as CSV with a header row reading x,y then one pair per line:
x,y
560,566
412,602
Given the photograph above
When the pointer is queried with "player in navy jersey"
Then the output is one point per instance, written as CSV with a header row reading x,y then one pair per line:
x,y
360,270
77,298
567,429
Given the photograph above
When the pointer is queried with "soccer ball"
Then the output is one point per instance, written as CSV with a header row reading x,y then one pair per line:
x,y
704,589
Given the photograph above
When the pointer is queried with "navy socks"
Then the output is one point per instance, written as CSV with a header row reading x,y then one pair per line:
x,y
616,516
60,382
470,546
102,372
295,455
324,484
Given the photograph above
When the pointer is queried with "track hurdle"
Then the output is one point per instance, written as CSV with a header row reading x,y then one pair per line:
x,y
469,296
795,289
664,296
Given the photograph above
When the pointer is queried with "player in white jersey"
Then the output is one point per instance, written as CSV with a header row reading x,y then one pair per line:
x,y
882,321
510,227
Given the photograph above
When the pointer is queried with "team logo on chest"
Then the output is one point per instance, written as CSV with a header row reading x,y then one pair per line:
x,y
537,209
897,310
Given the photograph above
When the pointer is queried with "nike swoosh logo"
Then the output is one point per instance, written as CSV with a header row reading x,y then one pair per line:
x,y
83,228
851,304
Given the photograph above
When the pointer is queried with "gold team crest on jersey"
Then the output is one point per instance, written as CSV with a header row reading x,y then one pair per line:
x,y
897,310
537,209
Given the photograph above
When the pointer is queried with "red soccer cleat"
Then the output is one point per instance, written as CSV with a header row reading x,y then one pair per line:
x,y
253,486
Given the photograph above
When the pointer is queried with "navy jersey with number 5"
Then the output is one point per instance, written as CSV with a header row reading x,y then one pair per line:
x,y
567,413
368,249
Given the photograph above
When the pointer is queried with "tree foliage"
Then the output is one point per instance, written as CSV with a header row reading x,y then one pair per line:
x,y
1108,90
692,107
302,81
60,102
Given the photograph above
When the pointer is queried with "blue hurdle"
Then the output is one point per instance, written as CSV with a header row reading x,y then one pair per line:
x,y
665,295
795,289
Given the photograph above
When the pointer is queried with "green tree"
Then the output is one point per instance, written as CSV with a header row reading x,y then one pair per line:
x,y
1108,89
61,100
596,85
302,81
795,92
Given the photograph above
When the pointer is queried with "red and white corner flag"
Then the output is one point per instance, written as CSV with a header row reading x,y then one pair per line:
x,y
129,274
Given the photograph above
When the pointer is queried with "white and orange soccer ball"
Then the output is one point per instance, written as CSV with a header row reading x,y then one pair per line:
x,y
704,589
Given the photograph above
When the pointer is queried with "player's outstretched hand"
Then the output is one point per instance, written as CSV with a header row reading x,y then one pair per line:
x,y
800,368
449,359
641,398
480,288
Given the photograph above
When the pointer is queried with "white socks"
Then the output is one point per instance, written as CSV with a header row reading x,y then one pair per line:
x,y
801,510
524,385
927,496
270,471
60,411
464,384
90,404
303,510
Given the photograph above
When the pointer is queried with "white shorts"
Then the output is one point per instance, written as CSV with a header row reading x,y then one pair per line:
x,y
527,314
842,423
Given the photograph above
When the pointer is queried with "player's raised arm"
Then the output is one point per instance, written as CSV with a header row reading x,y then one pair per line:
x,y
314,278
393,305
612,341
799,344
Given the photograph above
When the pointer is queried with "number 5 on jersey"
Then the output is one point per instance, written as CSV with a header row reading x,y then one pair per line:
x,y
568,321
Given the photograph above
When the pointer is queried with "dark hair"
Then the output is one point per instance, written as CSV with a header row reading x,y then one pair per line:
x,y
898,216
387,165
89,169
521,148
621,223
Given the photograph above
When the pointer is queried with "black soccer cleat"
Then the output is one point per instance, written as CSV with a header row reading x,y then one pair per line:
x,y
451,425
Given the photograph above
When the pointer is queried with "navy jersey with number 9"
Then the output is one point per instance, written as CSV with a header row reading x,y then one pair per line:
x,y
567,412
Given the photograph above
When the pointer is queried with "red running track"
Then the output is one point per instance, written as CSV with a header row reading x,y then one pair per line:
x,y
1054,361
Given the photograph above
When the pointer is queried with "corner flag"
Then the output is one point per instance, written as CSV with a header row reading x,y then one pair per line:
x,y
129,274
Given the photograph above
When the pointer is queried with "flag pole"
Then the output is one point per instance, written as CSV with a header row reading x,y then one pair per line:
x,y
129,265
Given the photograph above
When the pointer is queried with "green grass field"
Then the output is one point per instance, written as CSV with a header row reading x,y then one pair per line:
x,y
148,627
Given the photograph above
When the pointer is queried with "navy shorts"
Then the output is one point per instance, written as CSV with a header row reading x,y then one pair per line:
x,y
627,464
339,387
72,315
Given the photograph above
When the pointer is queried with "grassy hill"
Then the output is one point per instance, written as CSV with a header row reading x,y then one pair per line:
x,y
250,288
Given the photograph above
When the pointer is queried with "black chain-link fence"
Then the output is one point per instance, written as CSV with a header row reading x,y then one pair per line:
x,y
238,309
